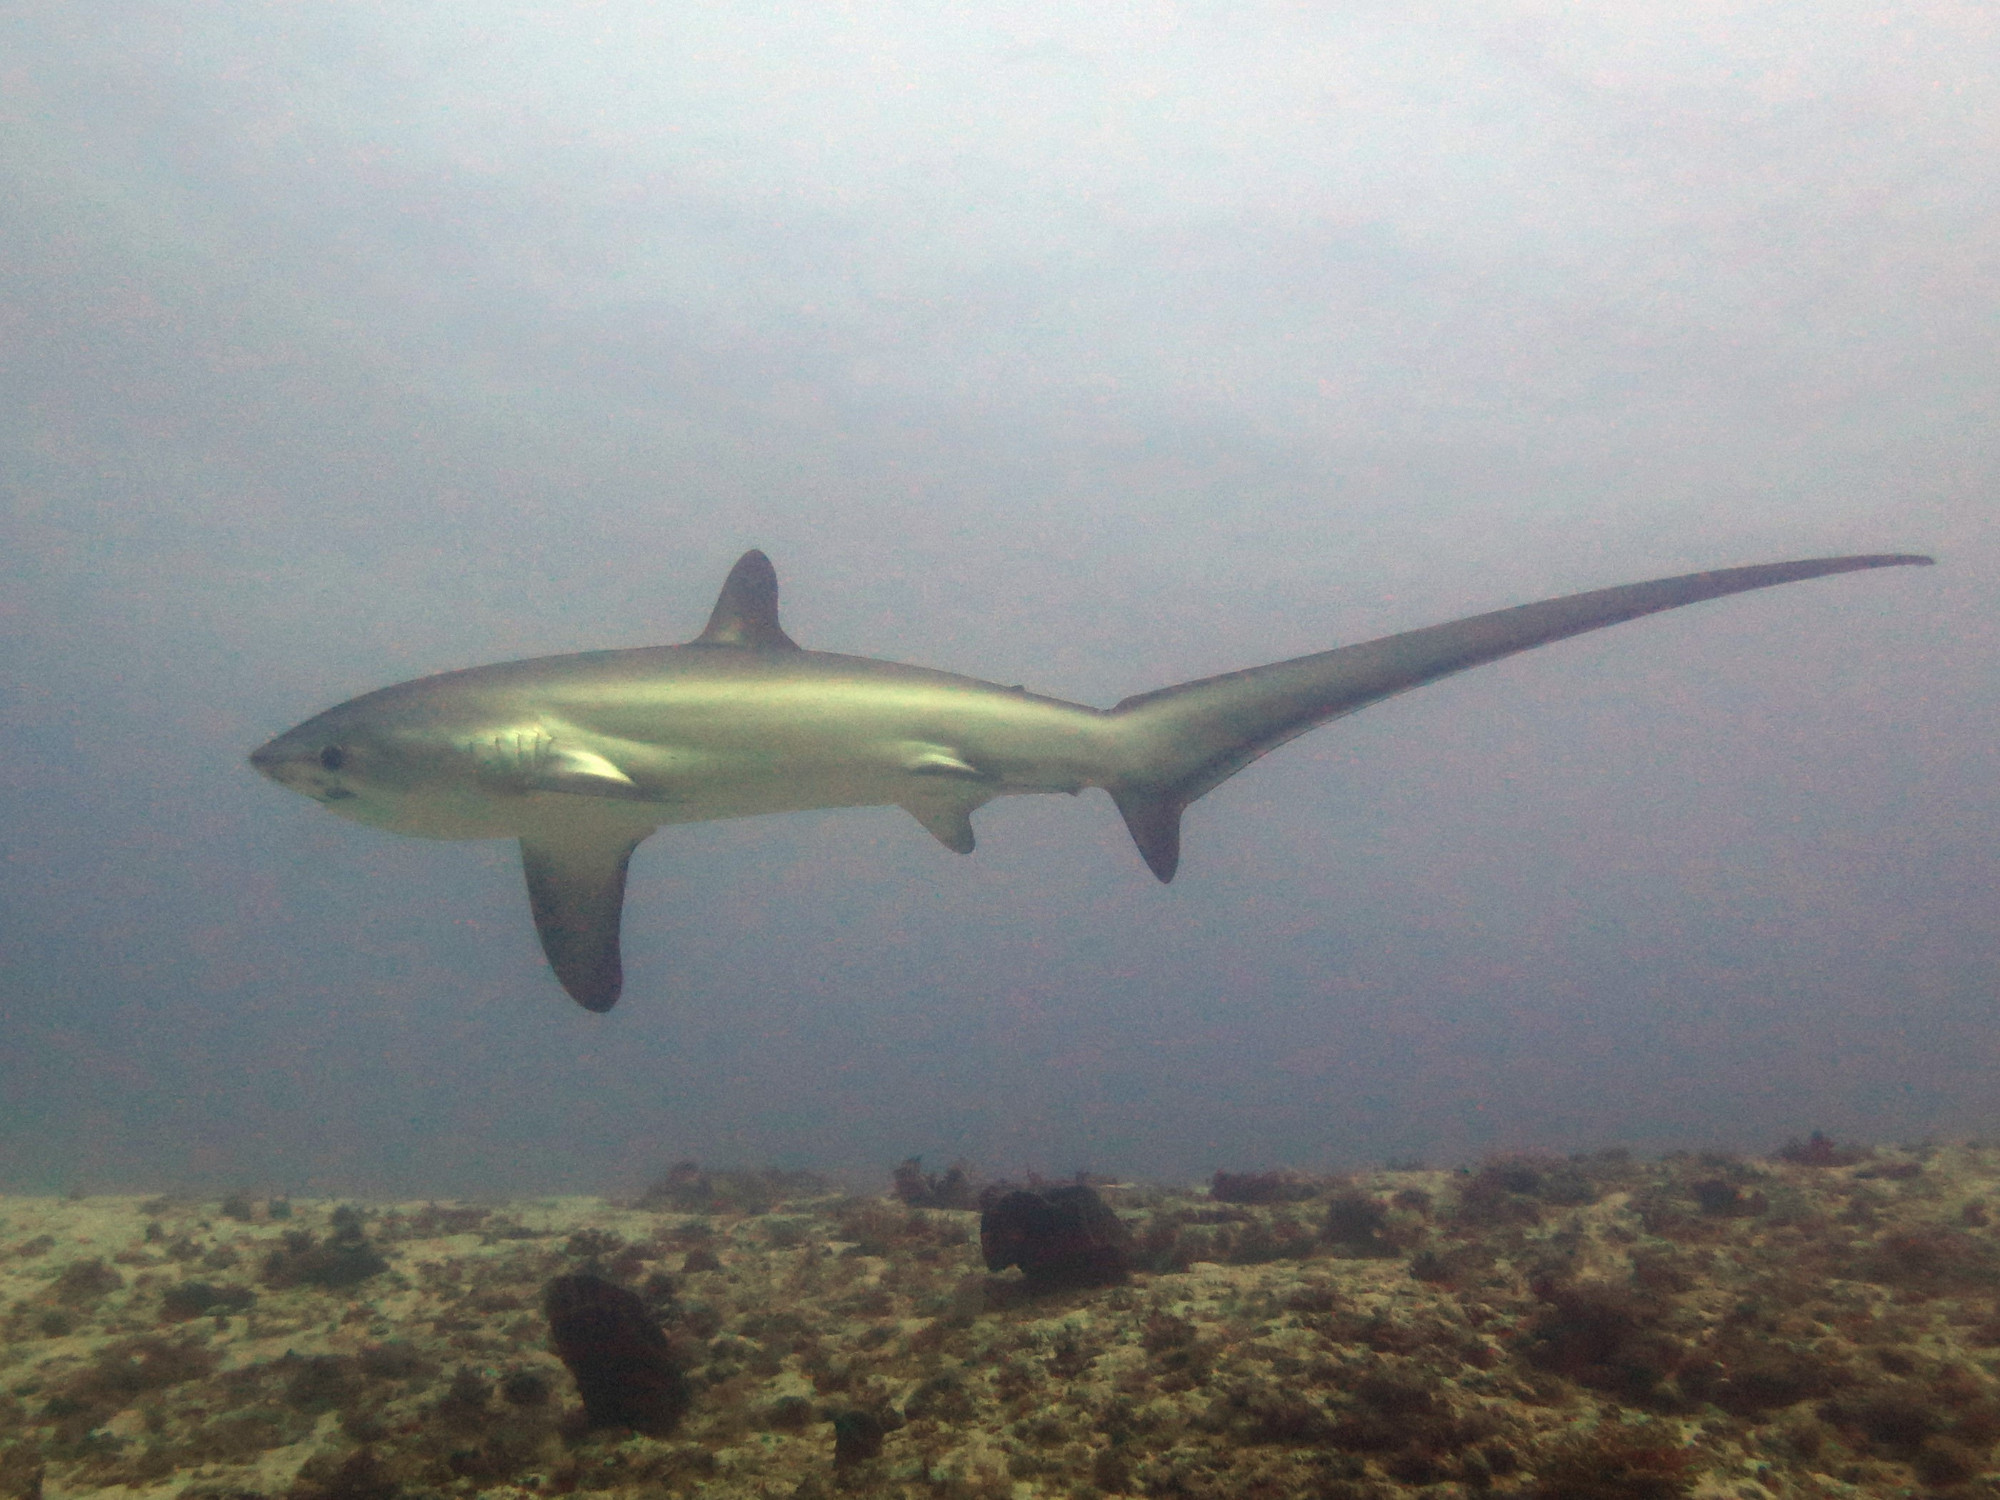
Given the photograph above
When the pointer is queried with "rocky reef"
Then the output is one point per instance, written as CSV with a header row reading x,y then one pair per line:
x,y
1822,1323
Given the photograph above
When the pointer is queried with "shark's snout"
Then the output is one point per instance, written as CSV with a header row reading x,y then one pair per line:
x,y
296,765
284,760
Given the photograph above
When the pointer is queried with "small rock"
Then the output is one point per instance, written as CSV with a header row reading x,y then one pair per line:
x,y
1356,1226
1059,1237
525,1388
857,1437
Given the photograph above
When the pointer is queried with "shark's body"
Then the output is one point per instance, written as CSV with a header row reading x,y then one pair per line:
x,y
580,757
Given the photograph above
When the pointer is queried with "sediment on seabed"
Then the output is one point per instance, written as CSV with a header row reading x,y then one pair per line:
x,y
1589,1328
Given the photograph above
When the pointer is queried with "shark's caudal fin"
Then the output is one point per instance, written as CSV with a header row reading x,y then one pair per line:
x,y
576,889
1188,740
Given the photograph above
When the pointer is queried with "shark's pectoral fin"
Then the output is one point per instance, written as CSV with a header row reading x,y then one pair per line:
x,y
576,889
1153,817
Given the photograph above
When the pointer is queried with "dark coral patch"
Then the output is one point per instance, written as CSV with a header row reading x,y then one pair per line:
x,y
346,1257
1263,1187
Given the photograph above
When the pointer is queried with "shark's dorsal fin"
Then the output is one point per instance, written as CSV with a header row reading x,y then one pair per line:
x,y
746,612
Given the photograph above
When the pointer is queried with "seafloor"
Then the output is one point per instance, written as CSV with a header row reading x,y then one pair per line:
x,y
1598,1327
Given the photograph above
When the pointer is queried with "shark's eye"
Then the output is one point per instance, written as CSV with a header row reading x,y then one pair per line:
x,y
333,757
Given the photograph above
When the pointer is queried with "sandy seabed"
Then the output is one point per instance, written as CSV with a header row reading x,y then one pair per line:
x,y
1591,1328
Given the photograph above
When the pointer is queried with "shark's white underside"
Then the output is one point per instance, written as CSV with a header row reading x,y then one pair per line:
x,y
580,757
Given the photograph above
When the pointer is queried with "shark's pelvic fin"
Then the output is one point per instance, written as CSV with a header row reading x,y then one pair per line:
x,y
950,791
948,821
1188,740
746,612
576,889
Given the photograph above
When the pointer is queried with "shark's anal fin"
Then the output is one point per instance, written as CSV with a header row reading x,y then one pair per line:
x,y
746,612
576,889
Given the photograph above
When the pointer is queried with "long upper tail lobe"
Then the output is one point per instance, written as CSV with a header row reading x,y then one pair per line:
x,y
1185,741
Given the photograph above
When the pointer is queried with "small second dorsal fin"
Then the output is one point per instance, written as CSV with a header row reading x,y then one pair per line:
x,y
746,612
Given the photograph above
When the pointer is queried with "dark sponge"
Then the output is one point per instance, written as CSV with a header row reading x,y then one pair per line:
x,y
625,1369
